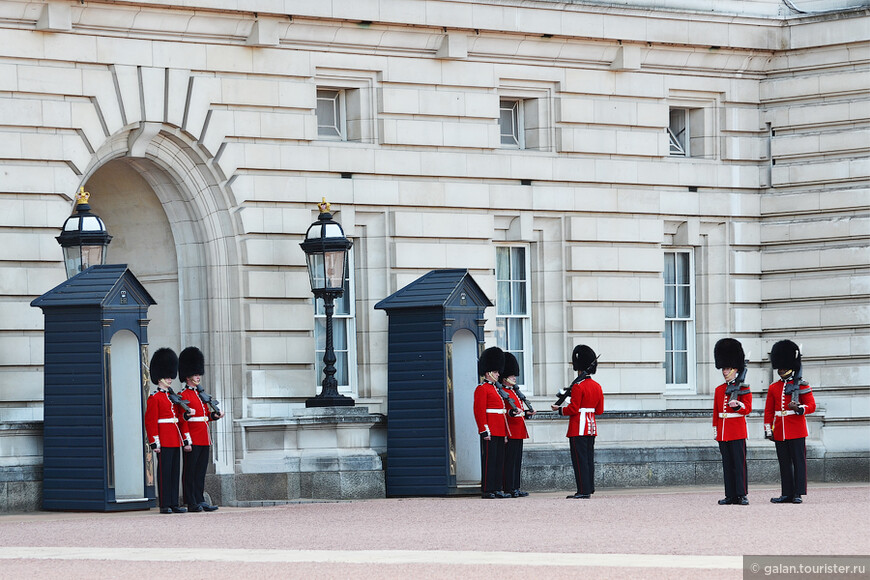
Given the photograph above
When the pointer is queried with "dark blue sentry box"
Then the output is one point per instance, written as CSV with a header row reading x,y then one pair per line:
x,y
95,456
435,337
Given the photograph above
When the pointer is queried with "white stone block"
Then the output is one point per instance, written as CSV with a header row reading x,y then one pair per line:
x,y
297,316
127,80
55,17
124,51
84,117
153,83
280,350
204,92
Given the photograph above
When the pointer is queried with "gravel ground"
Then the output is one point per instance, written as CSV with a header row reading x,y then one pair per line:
x,y
654,533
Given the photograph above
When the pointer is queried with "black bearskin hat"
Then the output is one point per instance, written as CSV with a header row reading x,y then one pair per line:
x,y
492,359
511,366
164,365
190,362
583,359
728,354
785,355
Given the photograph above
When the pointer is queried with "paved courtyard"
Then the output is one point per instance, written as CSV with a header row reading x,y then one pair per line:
x,y
634,533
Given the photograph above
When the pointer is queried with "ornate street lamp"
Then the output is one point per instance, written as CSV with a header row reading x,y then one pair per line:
x,y
84,238
325,248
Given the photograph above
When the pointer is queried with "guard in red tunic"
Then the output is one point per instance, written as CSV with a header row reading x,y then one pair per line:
x,y
490,413
166,428
203,408
513,453
587,400
788,402
732,401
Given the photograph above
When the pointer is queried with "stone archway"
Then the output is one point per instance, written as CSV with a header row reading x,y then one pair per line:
x,y
167,205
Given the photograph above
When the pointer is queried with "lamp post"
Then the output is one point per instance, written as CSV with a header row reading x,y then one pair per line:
x,y
84,238
325,248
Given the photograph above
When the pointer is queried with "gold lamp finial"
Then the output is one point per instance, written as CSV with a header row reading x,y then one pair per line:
x,y
82,196
324,206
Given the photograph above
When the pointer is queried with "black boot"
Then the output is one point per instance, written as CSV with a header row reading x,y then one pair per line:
x,y
782,499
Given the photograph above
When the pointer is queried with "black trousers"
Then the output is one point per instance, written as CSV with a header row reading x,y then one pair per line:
x,y
513,464
734,467
168,470
491,463
792,455
583,460
193,474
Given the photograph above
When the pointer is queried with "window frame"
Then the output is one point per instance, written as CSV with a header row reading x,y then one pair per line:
x,y
690,386
678,147
340,107
350,328
502,328
517,122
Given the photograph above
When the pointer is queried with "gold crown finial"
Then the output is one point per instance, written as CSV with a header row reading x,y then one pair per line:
x,y
324,206
82,196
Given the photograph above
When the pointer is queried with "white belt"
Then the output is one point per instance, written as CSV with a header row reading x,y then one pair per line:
x,y
725,415
583,412
784,413
173,420
497,411
202,419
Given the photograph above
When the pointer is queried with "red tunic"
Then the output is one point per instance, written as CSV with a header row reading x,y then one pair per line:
x,y
489,410
587,400
787,424
516,425
164,421
200,415
730,423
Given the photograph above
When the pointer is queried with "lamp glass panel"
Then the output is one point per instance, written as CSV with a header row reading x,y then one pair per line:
x,y
334,262
93,255
72,260
316,271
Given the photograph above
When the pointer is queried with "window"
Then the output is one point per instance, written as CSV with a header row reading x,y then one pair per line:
x,y
343,335
513,325
679,319
331,114
678,131
511,123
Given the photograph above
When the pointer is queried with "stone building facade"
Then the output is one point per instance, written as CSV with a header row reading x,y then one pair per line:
x,y
643,177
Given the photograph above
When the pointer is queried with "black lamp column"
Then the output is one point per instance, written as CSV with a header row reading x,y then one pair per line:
x,y
326,248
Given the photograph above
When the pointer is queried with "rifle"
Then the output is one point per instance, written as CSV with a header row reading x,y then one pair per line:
x,y
514,411
738,385
209,400
180,402
524,400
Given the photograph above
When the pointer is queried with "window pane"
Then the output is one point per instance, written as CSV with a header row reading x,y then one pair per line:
x,y
669,368
339,333
501,332
669,336
682,267
503,298
679,335
518,298
681,368
684,308
508,122
515,334
518,263
329,113
320,335
670,277
670,301
502,263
